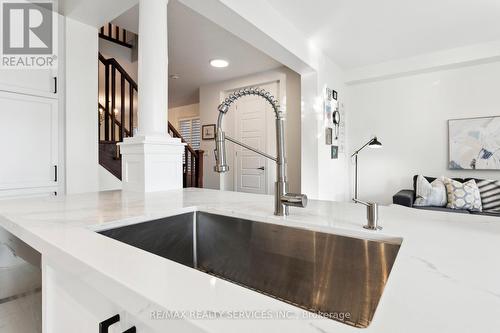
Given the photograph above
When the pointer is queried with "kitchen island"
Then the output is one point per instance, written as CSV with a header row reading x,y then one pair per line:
x,y
445,277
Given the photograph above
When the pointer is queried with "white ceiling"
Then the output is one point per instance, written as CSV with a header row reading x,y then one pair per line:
x,y
193,41
93,12
357,33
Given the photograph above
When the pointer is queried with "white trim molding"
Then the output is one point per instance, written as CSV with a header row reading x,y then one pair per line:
x,y
430,62
151,164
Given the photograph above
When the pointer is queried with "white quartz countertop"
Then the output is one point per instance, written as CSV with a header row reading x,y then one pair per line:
x,y
446,277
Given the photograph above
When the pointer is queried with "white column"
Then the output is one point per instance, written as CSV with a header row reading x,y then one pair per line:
x,y
153,68
152,160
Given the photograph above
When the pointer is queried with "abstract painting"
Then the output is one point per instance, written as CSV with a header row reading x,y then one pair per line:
x,y
474,143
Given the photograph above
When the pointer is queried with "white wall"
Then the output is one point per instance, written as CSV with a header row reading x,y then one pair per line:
x,y
292,104
333,174
323,178
409,114
210,97
185,111
81,107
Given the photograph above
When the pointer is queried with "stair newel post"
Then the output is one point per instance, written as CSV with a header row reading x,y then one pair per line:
x,y
122,107
192,175
185,167
199,168
131,110
106,106
99,123
113,103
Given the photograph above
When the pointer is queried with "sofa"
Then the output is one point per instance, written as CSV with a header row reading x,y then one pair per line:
x,y
407,198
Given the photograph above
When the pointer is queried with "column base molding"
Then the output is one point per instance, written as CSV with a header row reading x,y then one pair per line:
x,y
151,163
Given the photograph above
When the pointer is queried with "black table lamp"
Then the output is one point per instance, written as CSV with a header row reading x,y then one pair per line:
x,y
372,143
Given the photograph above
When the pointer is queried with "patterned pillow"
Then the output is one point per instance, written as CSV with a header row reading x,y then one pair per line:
x,y
490,194
430,194
463,195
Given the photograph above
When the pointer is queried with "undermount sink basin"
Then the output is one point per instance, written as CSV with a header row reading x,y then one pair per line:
x,y
336,276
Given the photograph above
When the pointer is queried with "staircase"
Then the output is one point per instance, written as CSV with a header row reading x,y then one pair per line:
x,y
118,119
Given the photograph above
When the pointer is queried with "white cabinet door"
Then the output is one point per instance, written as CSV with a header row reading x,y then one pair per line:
x,y
39,82
28,142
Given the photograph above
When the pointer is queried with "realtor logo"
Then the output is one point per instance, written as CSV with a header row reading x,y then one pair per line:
x,y
27,28
28,39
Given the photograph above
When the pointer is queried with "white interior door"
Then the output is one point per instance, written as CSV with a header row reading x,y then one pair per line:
x,y
28,142
254,122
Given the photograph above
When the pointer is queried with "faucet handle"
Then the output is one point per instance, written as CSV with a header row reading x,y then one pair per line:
x,y
294,199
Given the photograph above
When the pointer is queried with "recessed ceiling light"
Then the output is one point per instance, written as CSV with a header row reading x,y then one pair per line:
x,y
219,63
174,76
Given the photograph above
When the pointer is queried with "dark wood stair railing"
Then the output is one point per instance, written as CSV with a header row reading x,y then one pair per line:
x,y
117,122
114,128
115,34
193,161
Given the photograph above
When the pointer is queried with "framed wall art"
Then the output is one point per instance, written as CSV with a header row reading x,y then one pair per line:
x,y
474,143
328,136
208,132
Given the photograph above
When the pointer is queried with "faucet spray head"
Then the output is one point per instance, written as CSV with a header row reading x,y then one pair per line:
x,y
220,152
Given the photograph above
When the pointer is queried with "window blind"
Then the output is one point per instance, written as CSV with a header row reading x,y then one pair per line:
x,y
190,130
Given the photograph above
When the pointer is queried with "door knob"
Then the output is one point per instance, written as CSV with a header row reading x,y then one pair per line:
x,y
261,168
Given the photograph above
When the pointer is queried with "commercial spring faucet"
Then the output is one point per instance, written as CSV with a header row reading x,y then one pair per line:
x,y
282,199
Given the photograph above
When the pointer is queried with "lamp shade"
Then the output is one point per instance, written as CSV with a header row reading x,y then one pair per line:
x,y
375,143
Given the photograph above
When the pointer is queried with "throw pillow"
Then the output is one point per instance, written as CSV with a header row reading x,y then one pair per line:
x,y
463,195
490,194
430,194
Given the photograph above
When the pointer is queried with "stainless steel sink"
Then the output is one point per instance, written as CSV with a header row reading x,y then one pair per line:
x,y
339,277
